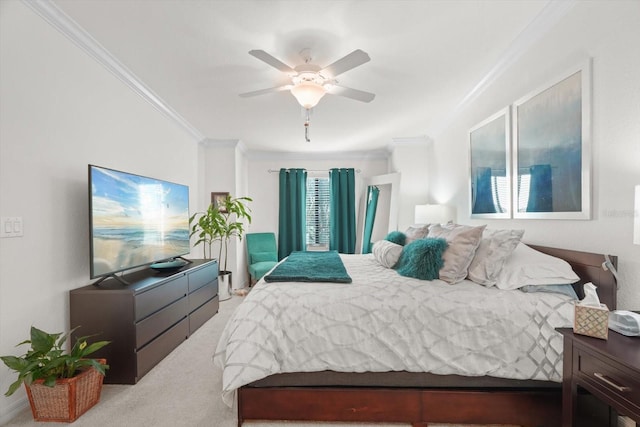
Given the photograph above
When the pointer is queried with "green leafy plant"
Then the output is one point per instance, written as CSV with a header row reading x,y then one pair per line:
x,y
48,361
221,223
206,229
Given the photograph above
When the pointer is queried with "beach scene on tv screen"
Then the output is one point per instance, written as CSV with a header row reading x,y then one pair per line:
x,y
136,220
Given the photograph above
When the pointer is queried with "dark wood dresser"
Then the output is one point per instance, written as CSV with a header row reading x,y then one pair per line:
x,y
146,319
608,369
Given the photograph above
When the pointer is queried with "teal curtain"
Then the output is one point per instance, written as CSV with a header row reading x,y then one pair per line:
x,y
483,195
342,236
292,220
540,189
370,217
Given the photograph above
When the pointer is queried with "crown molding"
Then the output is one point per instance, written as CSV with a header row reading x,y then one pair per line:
x,y
544,21
286,155
221,143
225,143
291,155
242,147
51,13
413,141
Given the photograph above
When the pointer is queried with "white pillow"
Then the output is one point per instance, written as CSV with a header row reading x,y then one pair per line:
x,y
526,266
386,253
494,249
415,232
463,241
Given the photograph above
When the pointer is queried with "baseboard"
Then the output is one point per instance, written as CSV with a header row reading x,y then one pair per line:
x,y
13,409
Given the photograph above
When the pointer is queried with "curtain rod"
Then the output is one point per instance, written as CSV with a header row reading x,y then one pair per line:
x,y
311,170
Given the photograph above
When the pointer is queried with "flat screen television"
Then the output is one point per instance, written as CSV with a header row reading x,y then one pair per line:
x,y
135,221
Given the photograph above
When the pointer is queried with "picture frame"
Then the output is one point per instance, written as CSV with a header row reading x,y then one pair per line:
x,y
217,200
490,167
552,149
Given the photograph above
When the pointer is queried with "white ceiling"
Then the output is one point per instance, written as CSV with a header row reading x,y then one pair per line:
x,y
426,56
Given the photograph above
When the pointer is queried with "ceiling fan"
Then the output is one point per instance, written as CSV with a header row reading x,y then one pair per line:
x,y
310,82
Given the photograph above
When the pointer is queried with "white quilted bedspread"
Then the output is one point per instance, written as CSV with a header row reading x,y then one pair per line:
x,y
385,322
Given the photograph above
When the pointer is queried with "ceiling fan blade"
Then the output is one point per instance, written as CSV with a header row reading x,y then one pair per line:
x,y
346,63
358,95
274,62
263,91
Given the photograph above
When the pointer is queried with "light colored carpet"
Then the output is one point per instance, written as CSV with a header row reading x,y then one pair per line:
x,y
182,390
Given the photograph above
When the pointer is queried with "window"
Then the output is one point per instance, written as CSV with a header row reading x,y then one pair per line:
x,y
499,192
524,185
318,213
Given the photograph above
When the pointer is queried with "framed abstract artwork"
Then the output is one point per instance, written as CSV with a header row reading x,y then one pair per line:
x,y
552,149
490,155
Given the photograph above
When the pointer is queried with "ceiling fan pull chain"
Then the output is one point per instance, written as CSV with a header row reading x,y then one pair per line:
x,y
306,128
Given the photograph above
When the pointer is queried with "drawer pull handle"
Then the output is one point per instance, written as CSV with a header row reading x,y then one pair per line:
x,y
600,376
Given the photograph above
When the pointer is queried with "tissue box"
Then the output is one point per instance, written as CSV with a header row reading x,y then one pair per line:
x,y
591,321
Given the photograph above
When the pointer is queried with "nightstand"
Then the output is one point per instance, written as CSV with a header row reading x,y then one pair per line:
x,y
608,369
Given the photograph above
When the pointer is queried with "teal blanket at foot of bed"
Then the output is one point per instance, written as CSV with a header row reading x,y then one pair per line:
x,y
310,267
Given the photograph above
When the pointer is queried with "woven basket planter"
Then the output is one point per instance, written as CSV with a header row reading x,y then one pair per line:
x,y
68,399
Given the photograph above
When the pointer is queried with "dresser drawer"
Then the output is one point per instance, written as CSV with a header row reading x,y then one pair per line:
x,y
160,321
154,299
204,313
615,382
203,276
202,295
157,349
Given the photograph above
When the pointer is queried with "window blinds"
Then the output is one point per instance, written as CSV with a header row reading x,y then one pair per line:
x,y
317,212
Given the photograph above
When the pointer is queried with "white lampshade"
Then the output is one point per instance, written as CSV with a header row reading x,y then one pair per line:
x,y
308,94
636,218
434,214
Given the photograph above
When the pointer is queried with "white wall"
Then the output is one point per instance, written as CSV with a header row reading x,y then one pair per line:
x,y
609,33
59,111
412,158
242,189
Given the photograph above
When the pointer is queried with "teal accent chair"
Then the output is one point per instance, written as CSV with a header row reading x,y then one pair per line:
x,y
262,254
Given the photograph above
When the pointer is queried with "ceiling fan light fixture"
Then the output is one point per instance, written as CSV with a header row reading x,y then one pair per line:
x,y
308,93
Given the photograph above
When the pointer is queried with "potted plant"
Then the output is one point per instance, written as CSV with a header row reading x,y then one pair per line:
x,y
61,386
221,223
206,228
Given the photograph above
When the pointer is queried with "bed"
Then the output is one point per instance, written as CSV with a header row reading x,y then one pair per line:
x,y
418,391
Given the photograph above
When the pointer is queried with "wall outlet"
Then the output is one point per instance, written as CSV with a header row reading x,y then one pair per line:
x,y
11,226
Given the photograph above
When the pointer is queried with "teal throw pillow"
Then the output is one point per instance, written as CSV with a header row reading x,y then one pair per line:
x,y
422,259
397,237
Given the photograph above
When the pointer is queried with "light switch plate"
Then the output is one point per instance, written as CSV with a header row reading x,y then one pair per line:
x,y
11,226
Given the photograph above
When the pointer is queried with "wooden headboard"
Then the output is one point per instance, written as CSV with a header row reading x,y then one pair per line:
x,y
588,266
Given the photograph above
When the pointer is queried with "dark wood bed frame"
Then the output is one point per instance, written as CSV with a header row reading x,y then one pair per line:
x,y
507,404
